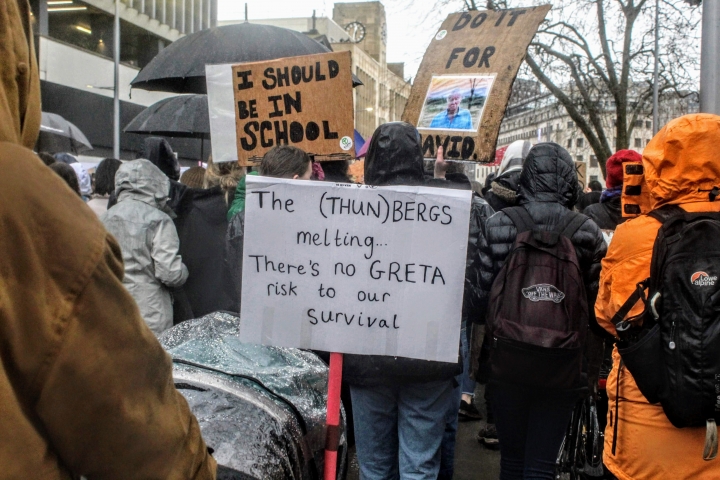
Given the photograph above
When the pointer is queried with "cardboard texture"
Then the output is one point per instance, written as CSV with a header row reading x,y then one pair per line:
x,y
581,170
301,101
483,51
354,268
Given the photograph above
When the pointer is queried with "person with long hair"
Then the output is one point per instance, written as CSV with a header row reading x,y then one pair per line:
x,y
104,185
201,224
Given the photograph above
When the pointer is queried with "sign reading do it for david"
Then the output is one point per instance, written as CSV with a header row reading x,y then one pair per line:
x,y
463,85
354,268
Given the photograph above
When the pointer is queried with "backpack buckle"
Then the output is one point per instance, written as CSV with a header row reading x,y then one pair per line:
x,y
653,308
623,326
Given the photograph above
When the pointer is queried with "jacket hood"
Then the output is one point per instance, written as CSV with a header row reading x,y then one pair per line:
x,y
160,153
514,157
394,156
681,163
142,181
549,175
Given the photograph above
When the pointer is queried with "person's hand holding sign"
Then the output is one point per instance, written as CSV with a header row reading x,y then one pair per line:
x,y
441,166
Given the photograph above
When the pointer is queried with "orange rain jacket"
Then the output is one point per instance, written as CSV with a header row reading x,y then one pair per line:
x,y
85,388
681,165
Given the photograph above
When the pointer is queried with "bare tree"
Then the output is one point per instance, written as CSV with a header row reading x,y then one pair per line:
x,y
597,56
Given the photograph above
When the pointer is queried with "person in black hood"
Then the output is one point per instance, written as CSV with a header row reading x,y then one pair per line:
x,y
399,404
531,422
160,154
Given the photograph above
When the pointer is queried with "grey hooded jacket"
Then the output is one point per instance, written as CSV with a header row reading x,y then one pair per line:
x,y
148,240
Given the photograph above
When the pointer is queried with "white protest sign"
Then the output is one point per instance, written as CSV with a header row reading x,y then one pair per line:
x,y
353,268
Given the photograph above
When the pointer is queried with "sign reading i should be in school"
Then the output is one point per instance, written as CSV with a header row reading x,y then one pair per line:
x,y
302,101
305,101
354,268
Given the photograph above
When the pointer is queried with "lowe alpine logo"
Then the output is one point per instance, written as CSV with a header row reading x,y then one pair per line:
x,y
543,293
702,279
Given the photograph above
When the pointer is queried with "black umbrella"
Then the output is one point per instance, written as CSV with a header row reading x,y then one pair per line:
x,y
184,116
180,67
59,135
181,116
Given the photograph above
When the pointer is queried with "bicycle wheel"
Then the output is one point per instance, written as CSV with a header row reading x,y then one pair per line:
x,y
592,443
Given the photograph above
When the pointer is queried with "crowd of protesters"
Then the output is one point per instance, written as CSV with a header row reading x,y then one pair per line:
x,y
91,271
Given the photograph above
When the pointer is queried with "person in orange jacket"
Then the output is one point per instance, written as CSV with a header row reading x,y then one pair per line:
x,y
85,388
681,165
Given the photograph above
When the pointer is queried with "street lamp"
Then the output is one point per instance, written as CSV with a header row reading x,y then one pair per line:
x,y
656,74
116,98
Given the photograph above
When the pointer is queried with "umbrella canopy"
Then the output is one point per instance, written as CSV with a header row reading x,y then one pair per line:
x,y
181,116
180,67
59,135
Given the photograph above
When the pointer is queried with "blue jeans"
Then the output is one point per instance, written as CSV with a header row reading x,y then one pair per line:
x,y
399,428
447,455
531,424
467,384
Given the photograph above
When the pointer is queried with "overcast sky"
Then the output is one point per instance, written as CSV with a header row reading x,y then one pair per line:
x,y
410,23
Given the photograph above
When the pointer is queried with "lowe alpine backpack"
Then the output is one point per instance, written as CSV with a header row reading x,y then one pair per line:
x,y
538,312
674,356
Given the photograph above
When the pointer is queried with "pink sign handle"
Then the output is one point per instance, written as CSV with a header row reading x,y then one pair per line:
x,y
332,422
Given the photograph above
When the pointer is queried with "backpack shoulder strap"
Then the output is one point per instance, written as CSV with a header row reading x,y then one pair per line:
x,y
521,218
571,224
666,212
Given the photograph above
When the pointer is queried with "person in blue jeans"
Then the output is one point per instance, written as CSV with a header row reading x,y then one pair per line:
x,y
399,404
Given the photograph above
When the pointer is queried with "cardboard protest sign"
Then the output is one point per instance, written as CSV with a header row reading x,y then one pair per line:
x,y
303,101
581,170
353,268
463,85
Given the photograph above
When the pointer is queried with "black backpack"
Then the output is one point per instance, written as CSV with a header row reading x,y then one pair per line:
x,y
674,355
538,313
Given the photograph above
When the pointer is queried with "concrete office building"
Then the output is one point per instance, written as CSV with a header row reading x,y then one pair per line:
x,y
74,41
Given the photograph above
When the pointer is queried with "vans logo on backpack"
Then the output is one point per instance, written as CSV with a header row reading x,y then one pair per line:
x,y
702,279
543,293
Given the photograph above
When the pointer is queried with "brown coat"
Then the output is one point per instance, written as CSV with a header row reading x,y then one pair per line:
x,y
19,81
85,388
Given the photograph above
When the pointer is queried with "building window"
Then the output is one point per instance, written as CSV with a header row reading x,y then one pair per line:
x,y
579,158
647,141
580,142
638,123
571,124
638,143
593,161
569,143
648,124
91,29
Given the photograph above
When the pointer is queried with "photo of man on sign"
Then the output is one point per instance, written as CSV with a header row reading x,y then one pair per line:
x,y
455,102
